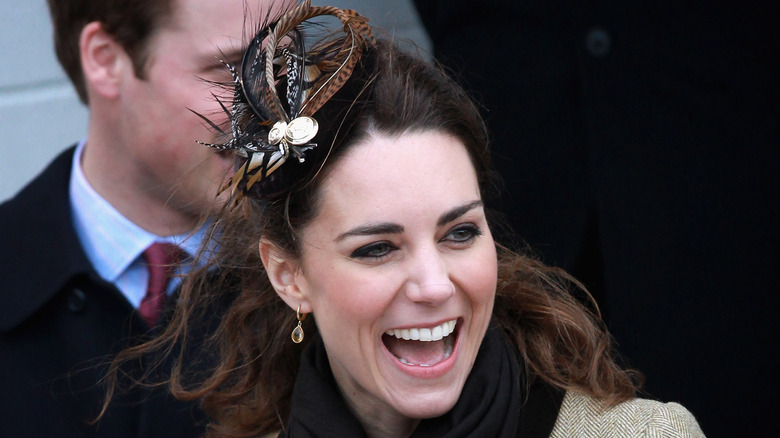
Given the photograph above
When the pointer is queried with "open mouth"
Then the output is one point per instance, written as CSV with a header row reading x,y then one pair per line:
x,y
423,347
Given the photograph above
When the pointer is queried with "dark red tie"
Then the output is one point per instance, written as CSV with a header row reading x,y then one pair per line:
x,y
161,259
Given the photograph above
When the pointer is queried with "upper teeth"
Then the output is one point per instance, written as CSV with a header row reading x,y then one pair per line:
x,y
424,334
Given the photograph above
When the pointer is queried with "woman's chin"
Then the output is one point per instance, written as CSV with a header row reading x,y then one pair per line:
x,y
423,405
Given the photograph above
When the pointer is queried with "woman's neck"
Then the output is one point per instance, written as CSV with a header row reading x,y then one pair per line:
x,y
378,419
382,424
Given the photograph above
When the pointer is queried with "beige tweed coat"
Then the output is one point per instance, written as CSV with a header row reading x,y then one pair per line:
x,y
583,416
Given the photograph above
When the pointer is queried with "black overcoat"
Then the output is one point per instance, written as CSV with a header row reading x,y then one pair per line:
x,y
59,322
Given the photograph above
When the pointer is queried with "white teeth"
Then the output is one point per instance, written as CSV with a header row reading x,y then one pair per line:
x,y
424,334
436,333
449,345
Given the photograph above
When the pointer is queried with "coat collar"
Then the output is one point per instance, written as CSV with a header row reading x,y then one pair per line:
x,y
41,252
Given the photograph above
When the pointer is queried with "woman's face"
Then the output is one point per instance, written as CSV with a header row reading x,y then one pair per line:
x,y
399,270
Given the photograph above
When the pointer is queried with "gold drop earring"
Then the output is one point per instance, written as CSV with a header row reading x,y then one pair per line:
x,y
297,333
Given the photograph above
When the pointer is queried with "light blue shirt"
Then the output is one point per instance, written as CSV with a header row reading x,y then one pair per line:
x,y
113,244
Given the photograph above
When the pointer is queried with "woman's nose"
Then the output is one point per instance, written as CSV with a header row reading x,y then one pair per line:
x,y
429,281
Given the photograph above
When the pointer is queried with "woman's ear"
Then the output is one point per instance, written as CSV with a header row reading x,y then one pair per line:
x,y
285,276
103,60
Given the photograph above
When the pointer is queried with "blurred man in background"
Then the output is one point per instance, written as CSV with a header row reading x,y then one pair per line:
x,y
87,244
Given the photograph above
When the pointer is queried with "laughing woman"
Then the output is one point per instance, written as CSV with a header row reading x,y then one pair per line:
x,y
360,288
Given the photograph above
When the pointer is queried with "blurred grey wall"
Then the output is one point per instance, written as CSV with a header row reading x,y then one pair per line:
x,y
40,114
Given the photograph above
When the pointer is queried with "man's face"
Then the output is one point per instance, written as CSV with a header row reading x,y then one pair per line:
x,y
157,130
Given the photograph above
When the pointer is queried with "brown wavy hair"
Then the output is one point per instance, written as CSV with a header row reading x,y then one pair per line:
x,y
230,333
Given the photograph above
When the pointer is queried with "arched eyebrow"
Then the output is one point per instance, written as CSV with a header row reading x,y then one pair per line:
x,y
391,228
371,229
457,212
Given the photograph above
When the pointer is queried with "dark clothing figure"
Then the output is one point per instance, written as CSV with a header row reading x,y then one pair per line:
x,y
638,142
59,325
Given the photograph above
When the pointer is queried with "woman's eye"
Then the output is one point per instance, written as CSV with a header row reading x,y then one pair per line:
x,y
463,234
374,250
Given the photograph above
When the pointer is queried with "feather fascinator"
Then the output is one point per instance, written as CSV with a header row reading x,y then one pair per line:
x,y
278,89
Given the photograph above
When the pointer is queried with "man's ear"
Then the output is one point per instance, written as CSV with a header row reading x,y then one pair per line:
x,y
284,273
103,60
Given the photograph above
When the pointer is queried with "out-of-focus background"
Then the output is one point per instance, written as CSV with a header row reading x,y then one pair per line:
x,y
40,114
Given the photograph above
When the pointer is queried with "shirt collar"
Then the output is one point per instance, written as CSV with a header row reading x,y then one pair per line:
x,y
111,241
